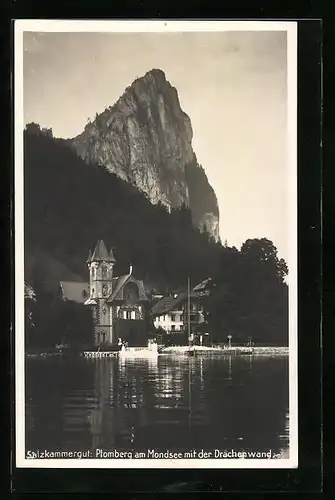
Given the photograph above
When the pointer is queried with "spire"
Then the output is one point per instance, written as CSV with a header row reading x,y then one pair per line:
x,y
111,255
89,258
101,253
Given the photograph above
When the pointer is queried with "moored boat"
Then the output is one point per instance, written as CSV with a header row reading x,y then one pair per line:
x,y
139,352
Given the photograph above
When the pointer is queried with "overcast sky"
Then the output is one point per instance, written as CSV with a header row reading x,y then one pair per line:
x,y
231,84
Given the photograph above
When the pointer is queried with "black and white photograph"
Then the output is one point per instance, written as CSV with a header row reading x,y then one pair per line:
x,y
155,191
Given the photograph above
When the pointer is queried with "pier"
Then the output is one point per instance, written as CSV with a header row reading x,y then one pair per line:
x,y
100,354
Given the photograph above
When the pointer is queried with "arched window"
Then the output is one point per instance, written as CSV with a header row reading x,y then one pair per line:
x,y
104,272
130,292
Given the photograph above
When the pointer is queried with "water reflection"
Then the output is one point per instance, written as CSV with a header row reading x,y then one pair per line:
x,y
174,403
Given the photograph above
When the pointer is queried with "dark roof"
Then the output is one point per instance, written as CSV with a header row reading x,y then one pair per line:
x,y
119,284
101,253
111,255
203,285
164,305
74,290
168,304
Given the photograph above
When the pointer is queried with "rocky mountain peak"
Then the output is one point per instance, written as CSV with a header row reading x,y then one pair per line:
x,y
146,139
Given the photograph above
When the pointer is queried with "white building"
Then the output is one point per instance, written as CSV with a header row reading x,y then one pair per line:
x,y
171,313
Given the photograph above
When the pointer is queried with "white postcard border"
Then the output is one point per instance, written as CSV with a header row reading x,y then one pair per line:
x,y
153,26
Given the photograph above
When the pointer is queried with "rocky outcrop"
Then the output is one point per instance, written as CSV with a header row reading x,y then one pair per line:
x,y
146,139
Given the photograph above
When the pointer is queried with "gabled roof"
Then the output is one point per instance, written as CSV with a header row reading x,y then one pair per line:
x,y
164,305
111,255
203,285
168,304
74,290
117,293
118,285
101,253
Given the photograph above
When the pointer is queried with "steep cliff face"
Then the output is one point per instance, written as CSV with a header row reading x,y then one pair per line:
x,y
146,139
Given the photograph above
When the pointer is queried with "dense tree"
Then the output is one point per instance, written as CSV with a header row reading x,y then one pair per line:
x,y
70,204
58,322
263,254
249,297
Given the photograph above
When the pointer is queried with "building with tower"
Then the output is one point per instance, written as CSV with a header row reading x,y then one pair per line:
x,y
119,304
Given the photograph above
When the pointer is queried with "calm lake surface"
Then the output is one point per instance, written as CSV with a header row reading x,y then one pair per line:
x,y
175,403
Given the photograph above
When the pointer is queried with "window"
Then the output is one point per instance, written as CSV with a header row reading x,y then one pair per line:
x,y
124,314
173,327
133,315
130,292
93,292
104,272
173,317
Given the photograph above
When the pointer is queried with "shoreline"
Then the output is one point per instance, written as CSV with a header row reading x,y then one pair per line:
x,y
180,350
227,351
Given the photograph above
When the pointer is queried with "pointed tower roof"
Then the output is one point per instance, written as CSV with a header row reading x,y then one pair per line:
x,y
111,256
89,258
101,253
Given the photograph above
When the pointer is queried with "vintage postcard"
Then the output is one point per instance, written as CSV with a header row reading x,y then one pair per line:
x,y
156,244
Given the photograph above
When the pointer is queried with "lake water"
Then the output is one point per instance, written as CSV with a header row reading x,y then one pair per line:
x,y
175,403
